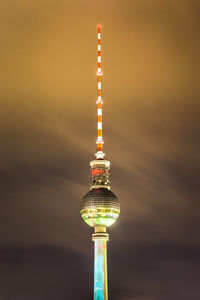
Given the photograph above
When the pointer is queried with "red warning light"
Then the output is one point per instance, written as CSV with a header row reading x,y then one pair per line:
x,y
96,172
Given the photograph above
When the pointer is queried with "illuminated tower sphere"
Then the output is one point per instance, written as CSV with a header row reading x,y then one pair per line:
x,y
100,207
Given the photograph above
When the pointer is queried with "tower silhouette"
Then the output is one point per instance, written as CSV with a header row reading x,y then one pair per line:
x,y
100,207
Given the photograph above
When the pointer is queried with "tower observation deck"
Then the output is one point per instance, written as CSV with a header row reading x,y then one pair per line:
x,y
100,207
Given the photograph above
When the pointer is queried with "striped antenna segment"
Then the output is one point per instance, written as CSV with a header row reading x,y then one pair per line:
x,y
99,102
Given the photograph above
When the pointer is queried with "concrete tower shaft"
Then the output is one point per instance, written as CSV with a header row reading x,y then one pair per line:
x,y
100,238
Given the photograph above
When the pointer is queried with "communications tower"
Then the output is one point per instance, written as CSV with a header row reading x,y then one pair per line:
x,y
100,207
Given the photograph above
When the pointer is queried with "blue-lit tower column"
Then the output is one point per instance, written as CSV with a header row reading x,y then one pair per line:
x,y
100,207
100,239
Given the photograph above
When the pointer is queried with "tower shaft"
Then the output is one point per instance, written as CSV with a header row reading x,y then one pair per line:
x,y
100,264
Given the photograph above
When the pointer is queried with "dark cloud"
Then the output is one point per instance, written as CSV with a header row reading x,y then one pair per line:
x,y
155,271
151,132
43,273
137,272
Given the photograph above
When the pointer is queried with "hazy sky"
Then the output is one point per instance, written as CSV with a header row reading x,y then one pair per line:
x,y
151,90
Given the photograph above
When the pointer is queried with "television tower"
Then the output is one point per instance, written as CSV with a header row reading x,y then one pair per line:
x,y
100,207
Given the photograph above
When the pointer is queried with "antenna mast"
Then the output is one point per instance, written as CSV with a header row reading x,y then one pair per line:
x,y
99,154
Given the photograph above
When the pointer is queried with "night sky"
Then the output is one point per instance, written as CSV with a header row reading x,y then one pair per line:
x,y
151,129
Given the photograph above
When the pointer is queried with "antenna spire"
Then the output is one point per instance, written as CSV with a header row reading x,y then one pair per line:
x,y
99,154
